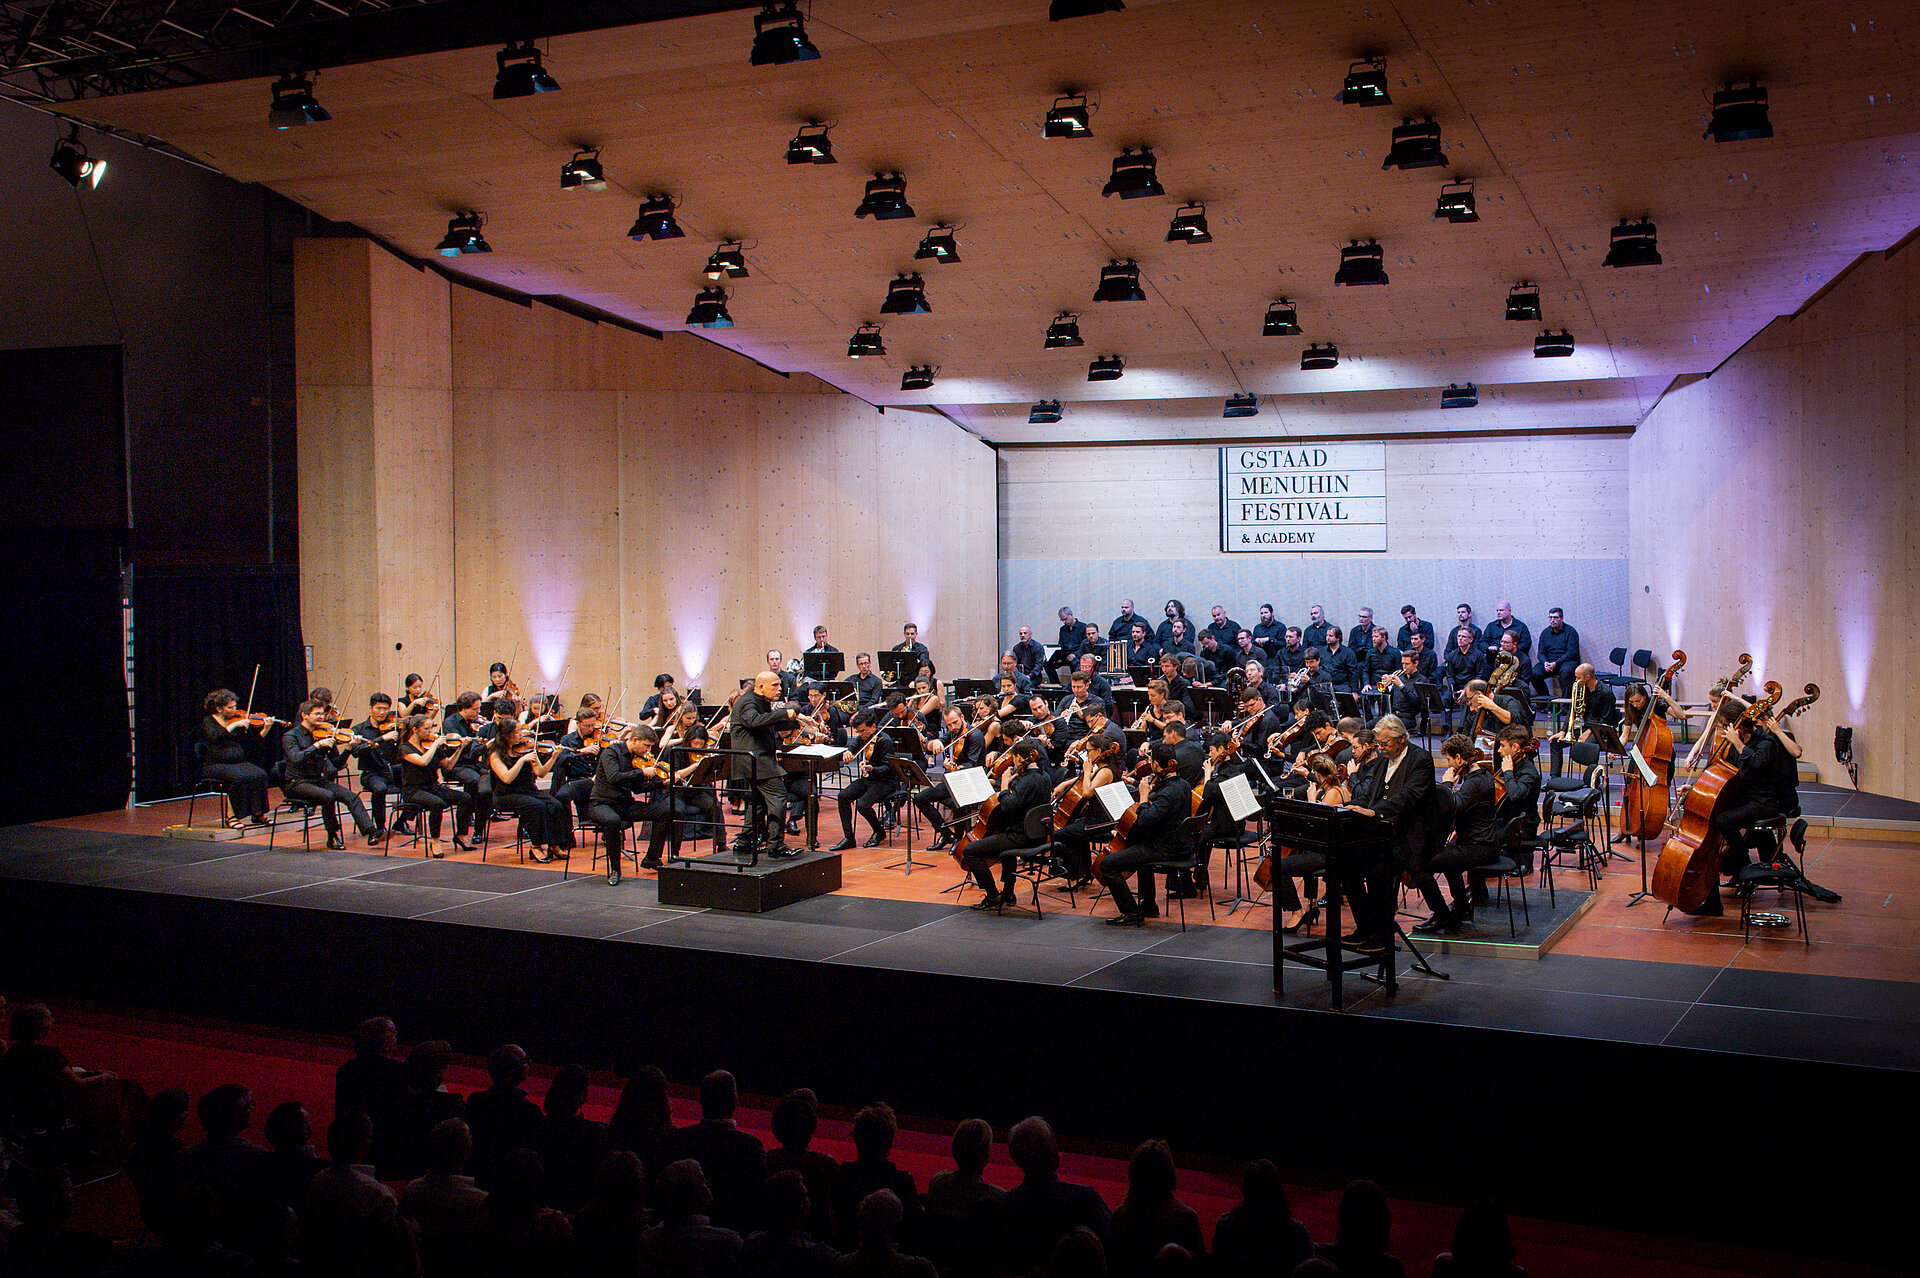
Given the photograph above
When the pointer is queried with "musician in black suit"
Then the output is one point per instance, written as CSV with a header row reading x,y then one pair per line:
x,y
910,642
868,687
1464,661
1475,831
314,755
1315,688
1026,789
1141,649
1505,623
1269,633
1345,668
966,748
1010,668
1189,756
629,785
1157,835
1412,625
1406,802
875,785
1028,655
1766,784
756,721
1598,705
1124,623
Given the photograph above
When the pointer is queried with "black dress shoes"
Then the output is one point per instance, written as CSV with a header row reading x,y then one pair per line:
x,y
650,863
337,843
842,846
875,841
373,840
986,903
1127,920
1438,925
780,851
613,877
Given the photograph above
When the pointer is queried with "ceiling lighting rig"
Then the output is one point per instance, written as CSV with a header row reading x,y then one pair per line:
x,y
1366,84
780,37
1134,175
1456,203
1633,244
1120,282
1069,117
1416,145
811,145
71,161
710,309
1189,225
1241,406
865,343
1325,355
1106,368
1739,115
1361,263
583,171
1282,320
521,74
886,199
294,103
939,245
656,220
1523,302
728,262
1063,332
906,295
1044,412
463,236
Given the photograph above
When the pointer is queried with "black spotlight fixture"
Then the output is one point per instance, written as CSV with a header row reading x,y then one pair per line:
x,y
938,244
1523,302
1467,396
1063,332
780,37
1325,355
1416,145
1282,320
1060,10
1552,345
1189,225
583,172
918,377
710,309
1241,406
1366,84
906,295
865,343
1119,282
520,74
1739,115
463,236
656,221
728,262
71,161
294,103
1044,412
1107,368
1069,117
1133,175
886,199
1361,263
811,145
1456,203
1633,244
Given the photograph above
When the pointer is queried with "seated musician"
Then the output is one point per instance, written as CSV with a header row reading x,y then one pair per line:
x,y
499,693
415,699
1464,613
1245,650
1314,635
424,756
1023,789
516,765
666,708
1225,760
1175,611
1098,685
1010,669
1345,669
314,755
927,706
1099,765
1094,644
1598,706
1012,699
1179,639
1291,656
867,685
1177,684
223,733
1072,634
467,768
1157,836
1197,673
1141,650
1311,685
1269,635
1488,712
630,785
1465,662
1767,784
1402,697
1406,802
1327,784
1505,623
1257,684
1153,715
1381,657
1411,625
776,666
1214,658
1070,716
1559,654
1469,776
573,775
1251,723
1427,664
985,717
1319,737
1041,724
966,748
1189,753
1028,655
1519,776
1124,623
662,682
696,800
1519,689
820,644
379,764
873,750
1223,628
910,642
1360,635
828,714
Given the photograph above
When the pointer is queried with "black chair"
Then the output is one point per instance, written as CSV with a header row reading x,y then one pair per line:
x,y
398,811
1508,867
206,787
277,778
1568,818
1776,870
1034,862
1197,851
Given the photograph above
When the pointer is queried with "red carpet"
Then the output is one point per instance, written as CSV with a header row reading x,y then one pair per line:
x,y
197,1055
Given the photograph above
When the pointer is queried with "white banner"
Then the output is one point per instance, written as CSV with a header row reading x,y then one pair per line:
x,y
1303,497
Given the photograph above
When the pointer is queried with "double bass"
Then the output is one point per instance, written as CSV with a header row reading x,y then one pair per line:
x,y
1687,872
1644,803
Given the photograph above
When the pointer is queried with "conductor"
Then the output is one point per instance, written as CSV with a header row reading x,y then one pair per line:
x,y
757,718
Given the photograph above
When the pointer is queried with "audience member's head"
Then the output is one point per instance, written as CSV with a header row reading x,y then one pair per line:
x,y
873,1131
449,1146
682,1192
718,1096
643,1106
507,1065
1263,1194
30,1023
1031,1146
1150,1175
972,1146
166,1113
1365,1219
1172,1261
878,1219
1078,1254
375,1036
796,1116
226,1111
348,1136
785,1201
425,1068
567,1093
288,1129
520,1187
1482,1243
619,1185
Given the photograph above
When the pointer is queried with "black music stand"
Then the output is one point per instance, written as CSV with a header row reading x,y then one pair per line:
x,y
968,689
913,778
898,667
814,767
820,667
838,689
712,761
1211,705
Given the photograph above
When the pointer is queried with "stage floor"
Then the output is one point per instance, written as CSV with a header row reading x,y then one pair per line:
x,y
1752,1008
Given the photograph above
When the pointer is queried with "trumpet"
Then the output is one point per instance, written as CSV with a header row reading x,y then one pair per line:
x,y
1297,680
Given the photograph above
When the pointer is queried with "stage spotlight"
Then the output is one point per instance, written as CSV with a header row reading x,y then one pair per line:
x,y
1634,244
866,343
906,295
1467,396
1366,84
656,221
520,74
1361,264
1069,117
1060,10
1241,406
1416,145
1552,345
710,309
1189,225
1326,355
1739,115
780,37
918,377
1119,282
1107,368
294,104
886,199
1064,331
1044,412
727,262
583,172
463,236
938,244
1523,302
1133,175
811,145
1282,320
1456,203
71,161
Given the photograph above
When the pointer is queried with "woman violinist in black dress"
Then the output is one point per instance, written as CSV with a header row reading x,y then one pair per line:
x,y
223,733
516,764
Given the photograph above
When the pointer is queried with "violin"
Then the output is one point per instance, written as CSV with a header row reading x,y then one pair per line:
x,y
256,719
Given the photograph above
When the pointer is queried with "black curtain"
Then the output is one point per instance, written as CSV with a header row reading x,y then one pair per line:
x,y
62,646
197,629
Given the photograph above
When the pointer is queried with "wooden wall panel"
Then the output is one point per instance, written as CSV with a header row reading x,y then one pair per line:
x,y
339,592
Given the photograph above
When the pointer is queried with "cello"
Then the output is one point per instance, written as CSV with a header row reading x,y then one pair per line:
x,y
1687,873
1644,803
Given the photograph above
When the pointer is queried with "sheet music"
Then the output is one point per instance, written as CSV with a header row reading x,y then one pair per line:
x,y
819,750
969,786
1239,796
1646,773
1115,798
